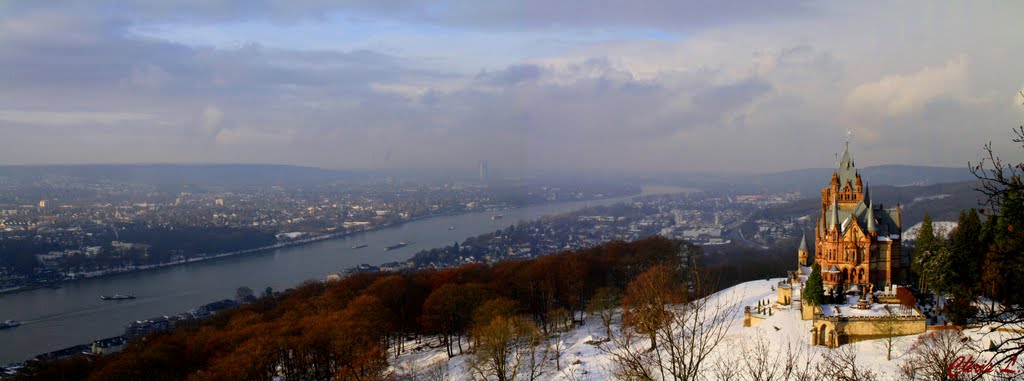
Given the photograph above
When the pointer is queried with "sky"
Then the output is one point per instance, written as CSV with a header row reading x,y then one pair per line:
x,y
607,85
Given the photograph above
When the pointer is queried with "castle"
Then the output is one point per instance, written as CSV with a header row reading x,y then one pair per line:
x,y
857,243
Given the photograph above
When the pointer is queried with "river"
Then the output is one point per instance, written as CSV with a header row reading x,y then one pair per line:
x,y
74,314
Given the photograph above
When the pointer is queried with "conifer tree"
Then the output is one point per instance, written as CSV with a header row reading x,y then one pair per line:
x,y
965,252
814,291
924,248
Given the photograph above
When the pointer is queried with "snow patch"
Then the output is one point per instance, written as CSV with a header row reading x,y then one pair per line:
x,y
940,228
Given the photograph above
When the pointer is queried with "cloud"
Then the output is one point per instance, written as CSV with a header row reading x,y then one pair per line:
x,y
511,75
212,116
654,85
897,95
70,118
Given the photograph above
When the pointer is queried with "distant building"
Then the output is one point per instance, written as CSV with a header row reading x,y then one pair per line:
x,y
484,175
219,202
42,203
856,243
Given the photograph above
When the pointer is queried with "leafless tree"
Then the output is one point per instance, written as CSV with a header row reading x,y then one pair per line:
x,y
998,177
410,370
436,371
889,328
798,362
691,332
575,374
840,364
506,347
931,357
724,366
761,361
631,359
561,322
695,329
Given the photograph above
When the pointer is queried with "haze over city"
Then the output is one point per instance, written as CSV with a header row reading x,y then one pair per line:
x,y
626,86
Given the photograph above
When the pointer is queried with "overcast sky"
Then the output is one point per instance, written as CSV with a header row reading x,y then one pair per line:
x,y
662,85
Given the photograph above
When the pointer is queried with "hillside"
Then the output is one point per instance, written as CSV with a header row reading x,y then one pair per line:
x,y
737,357
940,201
808,182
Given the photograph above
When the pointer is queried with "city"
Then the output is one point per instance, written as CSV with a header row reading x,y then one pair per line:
x,y
106,229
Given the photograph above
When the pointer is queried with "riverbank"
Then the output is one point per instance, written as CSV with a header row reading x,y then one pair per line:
x,y
279,245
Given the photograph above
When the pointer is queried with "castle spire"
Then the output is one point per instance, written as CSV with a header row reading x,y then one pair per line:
x,y
867,193
835,213
803,242
871,219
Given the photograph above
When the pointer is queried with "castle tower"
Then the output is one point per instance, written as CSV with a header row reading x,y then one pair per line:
x,y
855,243
801,253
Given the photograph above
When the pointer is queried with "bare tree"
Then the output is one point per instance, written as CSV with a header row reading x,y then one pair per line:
x,y
575,374
689,334
889,328
761,359
998,177
840,364
506,347
798,362
696,328
932,356
631,359
724,366
603,304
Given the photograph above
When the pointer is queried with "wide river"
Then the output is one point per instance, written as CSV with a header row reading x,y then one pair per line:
x,y
74,314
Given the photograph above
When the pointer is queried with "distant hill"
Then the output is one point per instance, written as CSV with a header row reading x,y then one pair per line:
x,y
809,181
176,174
943,202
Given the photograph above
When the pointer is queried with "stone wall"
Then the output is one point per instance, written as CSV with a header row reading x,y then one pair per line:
x,y
854,329
807,312
785,296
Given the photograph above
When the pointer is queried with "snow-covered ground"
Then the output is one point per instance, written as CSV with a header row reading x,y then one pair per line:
x,y
583,360
940,228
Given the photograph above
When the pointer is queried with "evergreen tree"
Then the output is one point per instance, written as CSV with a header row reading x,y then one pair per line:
x,y
965,252
814,290
923,250
1008,237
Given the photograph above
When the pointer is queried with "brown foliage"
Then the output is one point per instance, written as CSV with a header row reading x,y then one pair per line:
x,y
344,329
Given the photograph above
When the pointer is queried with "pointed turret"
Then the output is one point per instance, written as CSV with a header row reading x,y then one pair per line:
x,y
867,193
872,227
835,215
846,170
801,255
846,162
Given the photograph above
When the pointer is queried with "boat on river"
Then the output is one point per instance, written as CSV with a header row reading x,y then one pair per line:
x,y
9,324
359,246
117,297
395,246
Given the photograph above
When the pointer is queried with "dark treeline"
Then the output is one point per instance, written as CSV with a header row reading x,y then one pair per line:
x,y
347,329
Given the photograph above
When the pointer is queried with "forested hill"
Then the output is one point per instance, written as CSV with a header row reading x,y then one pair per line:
x,y
943,202
347,329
